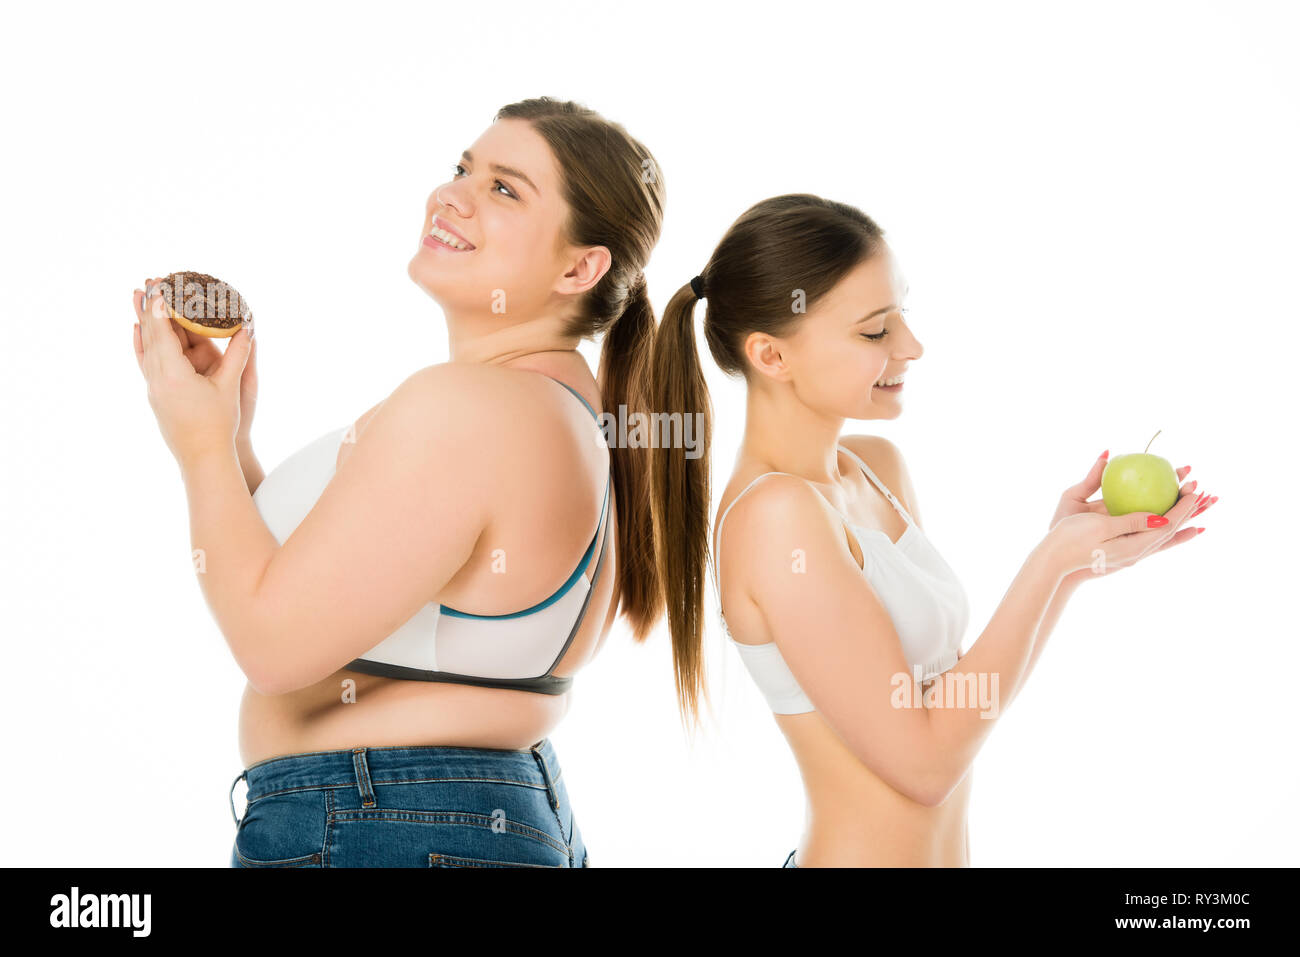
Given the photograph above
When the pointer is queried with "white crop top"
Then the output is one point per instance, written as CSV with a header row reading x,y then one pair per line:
x,y
923,596
519,650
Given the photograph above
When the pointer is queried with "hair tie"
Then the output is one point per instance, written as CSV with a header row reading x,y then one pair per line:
x,y
697,287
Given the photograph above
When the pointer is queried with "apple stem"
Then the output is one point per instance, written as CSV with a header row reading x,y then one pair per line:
x,y
1153,438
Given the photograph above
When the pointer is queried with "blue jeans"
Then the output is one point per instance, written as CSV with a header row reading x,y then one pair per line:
x,y
408,807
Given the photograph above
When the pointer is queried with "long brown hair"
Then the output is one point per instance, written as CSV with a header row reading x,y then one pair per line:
x,y
615,196
778,248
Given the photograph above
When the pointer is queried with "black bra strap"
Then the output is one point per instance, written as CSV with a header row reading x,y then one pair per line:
x,y
595,576
542,684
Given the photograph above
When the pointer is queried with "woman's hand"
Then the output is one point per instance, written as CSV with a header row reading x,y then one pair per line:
x,y
1075,498
1074,501
204,355
196,391
1089,545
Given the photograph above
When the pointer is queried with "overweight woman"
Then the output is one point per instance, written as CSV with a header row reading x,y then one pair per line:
x,y
844,612
412,594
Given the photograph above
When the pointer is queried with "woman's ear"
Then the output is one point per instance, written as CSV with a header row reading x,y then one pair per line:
x,y
764,354
585,271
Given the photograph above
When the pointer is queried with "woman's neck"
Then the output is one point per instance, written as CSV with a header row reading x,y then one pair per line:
x,y
782,432
496,342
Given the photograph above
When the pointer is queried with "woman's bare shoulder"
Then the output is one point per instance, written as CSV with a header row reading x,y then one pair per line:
x,y
426,395
765,501
886,459
522,427
872,449
481,385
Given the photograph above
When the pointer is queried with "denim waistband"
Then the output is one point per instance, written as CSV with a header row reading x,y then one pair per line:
x,y
363,768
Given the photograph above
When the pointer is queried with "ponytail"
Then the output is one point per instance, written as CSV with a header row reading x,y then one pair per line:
x,y
614,195
679,499
625,369
797,241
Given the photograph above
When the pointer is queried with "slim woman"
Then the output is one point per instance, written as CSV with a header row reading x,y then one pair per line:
x,y
842,609
412,594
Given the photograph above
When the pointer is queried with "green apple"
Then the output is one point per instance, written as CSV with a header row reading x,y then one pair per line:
x,y
1139,482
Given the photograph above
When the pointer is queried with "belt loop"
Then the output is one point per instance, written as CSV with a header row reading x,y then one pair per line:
x,y
540,758
243,775
363,777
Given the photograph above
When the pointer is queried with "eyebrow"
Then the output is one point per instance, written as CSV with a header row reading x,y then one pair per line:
x,y
882,310
506,171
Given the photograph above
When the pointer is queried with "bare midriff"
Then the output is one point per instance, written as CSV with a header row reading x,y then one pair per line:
x,y
854,819
349,709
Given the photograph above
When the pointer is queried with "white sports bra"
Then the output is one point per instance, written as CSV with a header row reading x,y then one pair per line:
x,y
923,596
518,650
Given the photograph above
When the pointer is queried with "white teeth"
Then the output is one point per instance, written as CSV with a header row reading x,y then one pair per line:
x,y
893,381
448,238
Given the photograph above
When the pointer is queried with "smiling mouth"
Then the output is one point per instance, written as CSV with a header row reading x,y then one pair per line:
x,y
446,236
448,239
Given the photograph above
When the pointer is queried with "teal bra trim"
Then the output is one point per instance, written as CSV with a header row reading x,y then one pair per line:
x,y
571,580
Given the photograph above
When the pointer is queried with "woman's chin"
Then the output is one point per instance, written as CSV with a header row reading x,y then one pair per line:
x,y
875,410
433,284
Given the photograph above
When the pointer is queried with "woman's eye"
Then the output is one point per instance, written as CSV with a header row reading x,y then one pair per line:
x,y
877,336
458,171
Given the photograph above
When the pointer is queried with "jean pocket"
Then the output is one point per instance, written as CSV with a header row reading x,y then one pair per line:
x,y
311,860
448,860
282,830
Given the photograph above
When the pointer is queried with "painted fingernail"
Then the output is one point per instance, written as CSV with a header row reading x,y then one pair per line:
x,y
1192,487
1199,530
1104,454
1156,521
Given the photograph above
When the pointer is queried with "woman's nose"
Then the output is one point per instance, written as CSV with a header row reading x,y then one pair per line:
x,y
454,195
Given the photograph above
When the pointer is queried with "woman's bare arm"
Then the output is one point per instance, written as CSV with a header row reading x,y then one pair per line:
x,y
249,465
887,461
787,548
390,529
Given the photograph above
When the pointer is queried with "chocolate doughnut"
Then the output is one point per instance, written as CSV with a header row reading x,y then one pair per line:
x,y
204,304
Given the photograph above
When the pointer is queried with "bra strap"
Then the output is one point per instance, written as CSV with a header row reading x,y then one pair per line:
x,y
578,394
603,532
717,548
595,575
880,485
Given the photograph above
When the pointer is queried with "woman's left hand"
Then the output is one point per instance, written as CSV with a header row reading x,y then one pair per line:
x,y
1074,500
197,408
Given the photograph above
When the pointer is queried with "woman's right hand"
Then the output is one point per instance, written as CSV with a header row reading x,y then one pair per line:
x,y
1102,543
204,355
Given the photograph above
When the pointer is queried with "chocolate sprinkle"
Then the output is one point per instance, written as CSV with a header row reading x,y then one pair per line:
x,y
204,299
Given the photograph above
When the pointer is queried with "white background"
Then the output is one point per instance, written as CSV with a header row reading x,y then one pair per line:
x,y
1096,209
